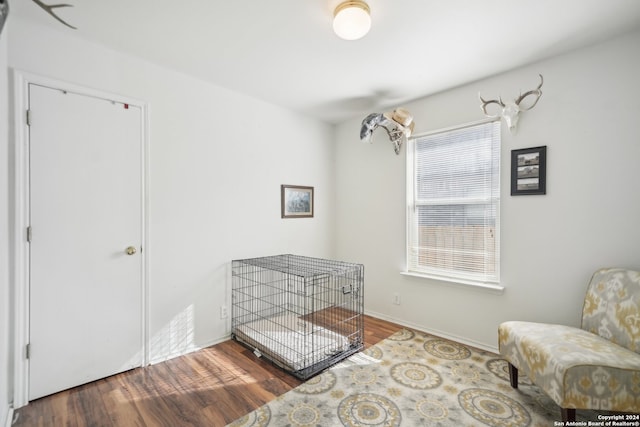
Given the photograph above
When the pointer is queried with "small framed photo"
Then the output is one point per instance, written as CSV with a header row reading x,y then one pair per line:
x,y
296,201
529,171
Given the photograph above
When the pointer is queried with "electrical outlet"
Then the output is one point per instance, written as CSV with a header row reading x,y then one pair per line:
x,y
223,312
396,299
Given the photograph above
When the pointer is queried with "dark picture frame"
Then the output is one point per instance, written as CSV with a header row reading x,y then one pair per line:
x,y
529,171
296,201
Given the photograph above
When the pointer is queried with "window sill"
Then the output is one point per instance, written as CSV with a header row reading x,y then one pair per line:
x,y
489,287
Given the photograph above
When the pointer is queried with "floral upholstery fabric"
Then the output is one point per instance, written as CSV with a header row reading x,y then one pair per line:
x,y
612,307
596,367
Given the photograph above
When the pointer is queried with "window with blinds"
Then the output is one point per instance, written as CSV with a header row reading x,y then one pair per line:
x,y
453,192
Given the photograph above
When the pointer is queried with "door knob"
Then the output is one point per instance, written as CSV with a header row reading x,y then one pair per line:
x,y
130,250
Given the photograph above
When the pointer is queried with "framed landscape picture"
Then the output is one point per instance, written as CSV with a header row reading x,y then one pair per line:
x,y
296,201
529,171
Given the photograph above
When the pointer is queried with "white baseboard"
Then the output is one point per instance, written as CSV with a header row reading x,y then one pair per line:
x,y
442,334
423,328
167,356
9,420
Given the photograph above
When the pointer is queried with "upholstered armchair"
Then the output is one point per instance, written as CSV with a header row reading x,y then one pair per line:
x,y
596,366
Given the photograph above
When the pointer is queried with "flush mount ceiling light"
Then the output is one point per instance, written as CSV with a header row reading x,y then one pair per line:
x,y
352,19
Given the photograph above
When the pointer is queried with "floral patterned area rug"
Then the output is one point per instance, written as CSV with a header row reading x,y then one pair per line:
x,y
412,379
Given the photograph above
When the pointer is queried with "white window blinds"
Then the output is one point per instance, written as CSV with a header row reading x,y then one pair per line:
x,y
454,203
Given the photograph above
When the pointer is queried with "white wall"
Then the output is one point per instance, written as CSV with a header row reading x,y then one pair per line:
x,y
588,119
5,371
217,160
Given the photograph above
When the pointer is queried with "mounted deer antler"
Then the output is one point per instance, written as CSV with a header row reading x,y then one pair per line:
x,y
511,110
49,10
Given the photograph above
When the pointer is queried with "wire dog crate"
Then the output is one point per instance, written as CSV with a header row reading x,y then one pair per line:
x,y
303,314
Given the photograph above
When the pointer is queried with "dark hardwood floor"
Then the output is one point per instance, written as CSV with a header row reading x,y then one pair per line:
x,y
210,387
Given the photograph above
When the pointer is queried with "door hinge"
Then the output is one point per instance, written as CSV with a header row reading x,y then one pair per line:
x,y
29,234
28,117
28,351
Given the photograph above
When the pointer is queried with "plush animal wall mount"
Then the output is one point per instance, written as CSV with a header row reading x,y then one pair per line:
x,y
4,11
398,123
510,110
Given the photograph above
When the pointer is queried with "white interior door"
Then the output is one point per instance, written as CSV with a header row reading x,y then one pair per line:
x,y
86,210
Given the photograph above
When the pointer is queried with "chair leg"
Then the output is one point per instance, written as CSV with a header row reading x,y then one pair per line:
x,y
568,414
513,375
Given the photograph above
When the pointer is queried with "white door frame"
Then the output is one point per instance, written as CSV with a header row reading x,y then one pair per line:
x,y
19,245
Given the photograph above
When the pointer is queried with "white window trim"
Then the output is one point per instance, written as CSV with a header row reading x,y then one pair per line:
x,y
455,281
493,287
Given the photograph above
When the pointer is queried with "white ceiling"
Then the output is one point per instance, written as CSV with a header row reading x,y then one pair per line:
x,y
285,52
